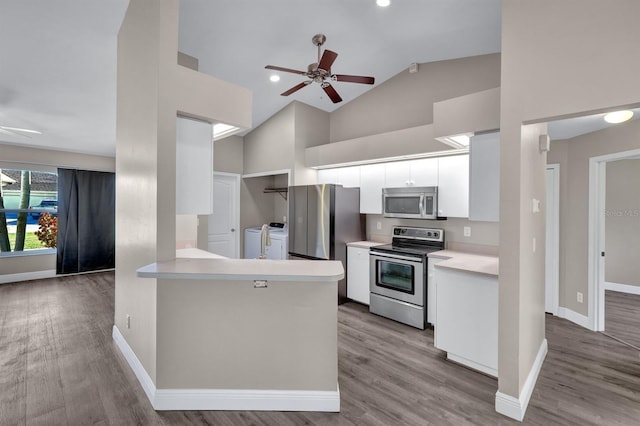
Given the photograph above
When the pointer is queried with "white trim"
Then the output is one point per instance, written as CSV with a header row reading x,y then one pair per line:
x,y
138,369
622,288
29,252
27,276
575,317
268,173
226,399
240,399
597,176
554,245
517,407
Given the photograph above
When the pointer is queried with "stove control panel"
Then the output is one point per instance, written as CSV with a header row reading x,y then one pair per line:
x,y
428,234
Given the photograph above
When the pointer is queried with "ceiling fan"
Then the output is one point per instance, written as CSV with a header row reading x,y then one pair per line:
x,y
320,72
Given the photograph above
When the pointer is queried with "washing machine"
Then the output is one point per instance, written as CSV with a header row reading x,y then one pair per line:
x,y
279,248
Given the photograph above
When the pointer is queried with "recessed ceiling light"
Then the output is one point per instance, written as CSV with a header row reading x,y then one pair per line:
x,y
221,130
618,116
383,3
274,78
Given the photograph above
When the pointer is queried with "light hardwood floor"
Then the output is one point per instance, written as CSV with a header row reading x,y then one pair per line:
x,y
60,366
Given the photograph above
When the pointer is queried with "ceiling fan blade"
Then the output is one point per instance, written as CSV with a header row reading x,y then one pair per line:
x,y
328,57
272,67
353,78
295,88
333,95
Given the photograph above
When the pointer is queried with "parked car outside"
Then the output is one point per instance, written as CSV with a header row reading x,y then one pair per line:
x,y
50,206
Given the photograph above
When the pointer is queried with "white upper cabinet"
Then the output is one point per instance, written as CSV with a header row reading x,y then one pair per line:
x,y
349,177
327,176
397,174
194,167
484,183
422,172
453,186
371,184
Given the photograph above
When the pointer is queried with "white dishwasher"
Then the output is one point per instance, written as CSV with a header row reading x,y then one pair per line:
x,y
278,249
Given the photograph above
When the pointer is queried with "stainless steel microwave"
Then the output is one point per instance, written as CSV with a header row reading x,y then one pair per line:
x,y
411,202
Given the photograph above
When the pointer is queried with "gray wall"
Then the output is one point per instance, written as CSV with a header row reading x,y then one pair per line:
x,y
270,146
573,156
484,235
622,222
406,100
14,156
566,67
228,155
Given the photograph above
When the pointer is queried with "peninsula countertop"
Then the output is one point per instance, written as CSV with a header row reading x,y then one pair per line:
x,y
482,264
244,269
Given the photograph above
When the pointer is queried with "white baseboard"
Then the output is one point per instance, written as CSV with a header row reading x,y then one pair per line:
x,y
138,369
226,399
622,288
574,317
517,407
240,399
27,276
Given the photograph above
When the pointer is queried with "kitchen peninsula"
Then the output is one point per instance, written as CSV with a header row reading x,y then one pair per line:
x,y
236,334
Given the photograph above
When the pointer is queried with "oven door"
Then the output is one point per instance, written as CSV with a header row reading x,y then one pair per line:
x,y
398,277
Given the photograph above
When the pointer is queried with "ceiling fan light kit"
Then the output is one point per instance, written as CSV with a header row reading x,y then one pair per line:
x,y
320,72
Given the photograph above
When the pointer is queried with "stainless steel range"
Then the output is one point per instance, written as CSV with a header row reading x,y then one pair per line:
x,y
398,274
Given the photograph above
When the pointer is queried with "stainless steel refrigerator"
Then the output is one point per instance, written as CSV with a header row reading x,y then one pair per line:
x,y
322,220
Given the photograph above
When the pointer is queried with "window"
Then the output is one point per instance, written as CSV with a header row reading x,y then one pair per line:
x,y
28,211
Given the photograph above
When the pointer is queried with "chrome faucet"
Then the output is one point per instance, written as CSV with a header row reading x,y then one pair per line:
x,y
265,240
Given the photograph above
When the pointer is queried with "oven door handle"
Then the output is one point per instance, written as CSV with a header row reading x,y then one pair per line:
x,y
395,256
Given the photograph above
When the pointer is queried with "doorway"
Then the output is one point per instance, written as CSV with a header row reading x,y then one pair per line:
x,y
597,216
224,223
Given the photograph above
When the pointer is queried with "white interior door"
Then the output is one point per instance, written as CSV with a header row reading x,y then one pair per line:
x,y
224,222
552,264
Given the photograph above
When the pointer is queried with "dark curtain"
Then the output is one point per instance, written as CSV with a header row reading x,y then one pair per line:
x,y
86,221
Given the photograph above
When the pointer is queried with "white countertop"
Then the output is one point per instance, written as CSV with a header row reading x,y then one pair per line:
x,y
244,269
482,264
364,244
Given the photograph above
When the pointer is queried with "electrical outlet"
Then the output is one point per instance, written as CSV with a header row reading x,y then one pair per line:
x,y
534,244
128,321
579,297
378,225
467,231
284,219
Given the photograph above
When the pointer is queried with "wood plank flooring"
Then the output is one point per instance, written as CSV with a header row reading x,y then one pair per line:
x,y
59,365
622,317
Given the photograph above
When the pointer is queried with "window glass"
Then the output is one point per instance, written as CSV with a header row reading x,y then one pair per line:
x,y
28,211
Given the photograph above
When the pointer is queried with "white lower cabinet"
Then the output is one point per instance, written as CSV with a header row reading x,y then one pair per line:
x,y
358,274
467,318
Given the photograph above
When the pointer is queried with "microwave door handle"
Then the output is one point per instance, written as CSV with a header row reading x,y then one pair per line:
x,y
421,205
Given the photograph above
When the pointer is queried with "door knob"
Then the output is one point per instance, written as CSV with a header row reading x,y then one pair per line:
x,y
233,229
